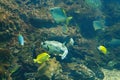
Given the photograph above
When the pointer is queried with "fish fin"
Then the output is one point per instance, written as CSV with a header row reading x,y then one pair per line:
x,y
60,54
48,55
48,48
47,59
64,54
69,41
64,43
63,57
68,20
64,12
39,62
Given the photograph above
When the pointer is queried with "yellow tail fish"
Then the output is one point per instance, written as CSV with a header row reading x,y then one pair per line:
x,y
102,49
41,58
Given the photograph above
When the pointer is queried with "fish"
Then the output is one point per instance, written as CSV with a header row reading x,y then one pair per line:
x,y
58,14
21,39
95,4
60,17
55,48
102,49
99,25
41,58
114,42
72,41
69,42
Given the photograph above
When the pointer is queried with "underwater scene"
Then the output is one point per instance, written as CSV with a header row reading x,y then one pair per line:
x,y
59,39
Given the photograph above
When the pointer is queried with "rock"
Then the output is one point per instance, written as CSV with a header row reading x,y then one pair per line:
x,y
111,74
83,71
49,69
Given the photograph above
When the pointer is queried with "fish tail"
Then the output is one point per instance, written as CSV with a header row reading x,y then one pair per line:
x,y
68,20
35,60
64,55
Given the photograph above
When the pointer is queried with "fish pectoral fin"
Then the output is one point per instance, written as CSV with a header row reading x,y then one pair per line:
x,y
60,54
68,20
39,62
64,55
34,60
48,48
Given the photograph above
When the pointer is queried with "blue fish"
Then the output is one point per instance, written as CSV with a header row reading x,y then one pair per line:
x,y
114,42
21,39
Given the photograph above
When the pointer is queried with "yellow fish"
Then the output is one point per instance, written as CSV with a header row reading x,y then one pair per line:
x,y
102,49
42,58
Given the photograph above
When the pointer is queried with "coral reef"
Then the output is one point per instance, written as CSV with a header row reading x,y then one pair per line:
x,y
111,74
81,70
111,12
49,69
32,19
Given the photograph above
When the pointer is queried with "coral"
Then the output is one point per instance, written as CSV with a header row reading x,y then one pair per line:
x,y
5,56
49,69
111,74
113,31
81,70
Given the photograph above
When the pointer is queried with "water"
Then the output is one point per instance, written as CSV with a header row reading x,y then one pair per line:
x,y
89,23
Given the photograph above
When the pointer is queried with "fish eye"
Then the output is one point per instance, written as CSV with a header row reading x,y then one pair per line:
x,y
43,43
51,10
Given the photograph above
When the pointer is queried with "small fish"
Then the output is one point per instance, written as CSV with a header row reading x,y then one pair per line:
x,y
21,39
114,43
71,41
102,49
99,25
42,58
